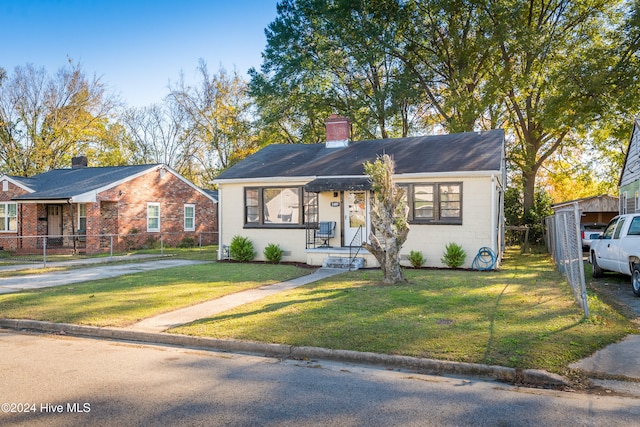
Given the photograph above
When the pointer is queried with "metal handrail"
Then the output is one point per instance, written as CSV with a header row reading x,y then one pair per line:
x,y
358,238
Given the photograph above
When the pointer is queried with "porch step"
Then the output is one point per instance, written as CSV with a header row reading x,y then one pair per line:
x,y
343,262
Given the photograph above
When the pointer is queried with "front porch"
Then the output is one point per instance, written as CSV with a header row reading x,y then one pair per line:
x,y
52,244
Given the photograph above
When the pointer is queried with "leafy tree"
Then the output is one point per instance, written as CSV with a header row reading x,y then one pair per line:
x,y
324,57
515,214
566,180
161,133
45,120
546,71
447,48
388,219
219,116
551,70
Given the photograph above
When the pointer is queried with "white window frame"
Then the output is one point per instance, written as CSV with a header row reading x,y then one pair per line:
x,y
82,215
149,217
7,219
192,217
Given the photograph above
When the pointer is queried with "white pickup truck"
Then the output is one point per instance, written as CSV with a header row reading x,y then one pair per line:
x,y
618,249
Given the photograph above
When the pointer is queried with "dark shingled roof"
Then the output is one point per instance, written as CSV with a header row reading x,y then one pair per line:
x,y
67,183
465,152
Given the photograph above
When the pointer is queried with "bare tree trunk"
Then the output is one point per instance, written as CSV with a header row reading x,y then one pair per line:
x,y
388,257
388,218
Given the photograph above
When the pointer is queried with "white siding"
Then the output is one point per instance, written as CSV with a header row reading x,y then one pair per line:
x,y
631,170
475,232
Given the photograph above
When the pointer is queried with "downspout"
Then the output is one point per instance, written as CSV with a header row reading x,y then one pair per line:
x,y
219,223
20,238
494,221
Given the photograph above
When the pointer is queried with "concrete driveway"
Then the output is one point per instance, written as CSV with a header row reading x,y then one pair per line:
x,y
58,278
622,359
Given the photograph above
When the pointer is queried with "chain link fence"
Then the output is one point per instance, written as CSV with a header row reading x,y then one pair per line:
x,y
562,235
39,249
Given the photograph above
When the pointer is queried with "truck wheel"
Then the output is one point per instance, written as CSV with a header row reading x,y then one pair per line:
x,y
635,279
596,272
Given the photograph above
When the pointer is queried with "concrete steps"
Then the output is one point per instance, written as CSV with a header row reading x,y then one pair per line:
x,y
343,262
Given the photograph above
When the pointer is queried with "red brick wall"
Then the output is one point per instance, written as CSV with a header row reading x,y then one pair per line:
x,y
7,239
132,197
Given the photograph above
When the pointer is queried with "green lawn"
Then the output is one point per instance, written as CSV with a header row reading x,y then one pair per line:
x,y
124,300
522,316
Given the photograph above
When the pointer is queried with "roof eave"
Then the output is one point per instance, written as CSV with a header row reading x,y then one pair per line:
x,y
42,201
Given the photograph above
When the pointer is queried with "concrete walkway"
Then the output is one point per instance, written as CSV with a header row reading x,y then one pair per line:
x,y
206,309
612,365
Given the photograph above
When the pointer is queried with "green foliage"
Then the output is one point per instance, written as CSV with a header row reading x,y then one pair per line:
x,y
124,300
241,249
46,118
151,243
273,253
324,57
454,255
391,200
548,73
388,218
187,242
416,259
217,110
534,218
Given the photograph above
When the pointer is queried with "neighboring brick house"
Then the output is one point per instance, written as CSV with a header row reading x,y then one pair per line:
x,y
85,209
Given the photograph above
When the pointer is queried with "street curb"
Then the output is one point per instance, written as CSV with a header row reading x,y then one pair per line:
x,y
428,366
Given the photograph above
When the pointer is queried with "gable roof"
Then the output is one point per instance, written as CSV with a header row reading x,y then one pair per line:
x,y
63,184
464,152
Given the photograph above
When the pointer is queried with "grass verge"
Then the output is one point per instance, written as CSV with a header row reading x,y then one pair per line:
x,y
127,299
523,316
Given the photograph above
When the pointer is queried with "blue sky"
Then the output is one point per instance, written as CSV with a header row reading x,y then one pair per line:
x,y
135,46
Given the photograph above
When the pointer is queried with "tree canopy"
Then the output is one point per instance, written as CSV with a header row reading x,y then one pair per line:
x,y
560,76
551,72
46,119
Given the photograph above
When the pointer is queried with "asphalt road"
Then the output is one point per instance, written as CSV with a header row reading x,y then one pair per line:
x,y
65,381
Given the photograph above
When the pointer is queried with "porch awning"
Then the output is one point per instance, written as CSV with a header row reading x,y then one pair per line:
x,y
338,184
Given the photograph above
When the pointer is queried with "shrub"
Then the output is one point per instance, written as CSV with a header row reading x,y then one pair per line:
x,y
187,242
151,243
130,239
454,255
241,249
273,253
416,259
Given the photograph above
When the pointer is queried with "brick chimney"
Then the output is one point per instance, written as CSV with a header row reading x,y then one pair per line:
x,y
338,131
79,162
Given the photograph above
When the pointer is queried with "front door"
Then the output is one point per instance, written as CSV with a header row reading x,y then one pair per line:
x,y
54,225
356,217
